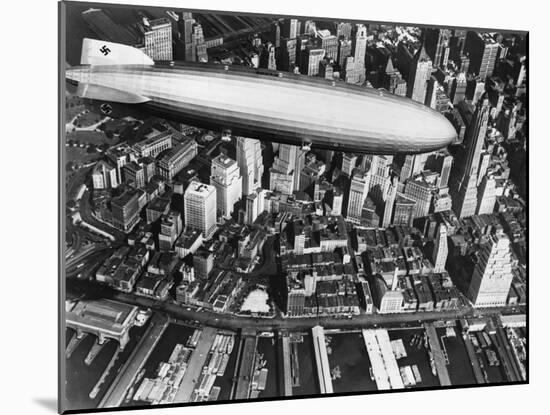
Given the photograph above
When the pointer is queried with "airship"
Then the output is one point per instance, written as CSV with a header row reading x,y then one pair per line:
x,y
267,105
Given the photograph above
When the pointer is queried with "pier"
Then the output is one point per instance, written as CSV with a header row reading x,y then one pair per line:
x,y
196,363
287,372
321,360
245,362
384,365
439,356
116,393
480,378
94,351
76,339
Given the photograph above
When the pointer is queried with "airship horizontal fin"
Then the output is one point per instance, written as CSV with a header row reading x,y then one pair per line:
x,y
98,52
104,93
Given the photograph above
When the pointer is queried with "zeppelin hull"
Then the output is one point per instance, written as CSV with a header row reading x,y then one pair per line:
x,y
292,109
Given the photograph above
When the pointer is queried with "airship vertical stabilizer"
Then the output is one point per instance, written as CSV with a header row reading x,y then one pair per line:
x,y
98,52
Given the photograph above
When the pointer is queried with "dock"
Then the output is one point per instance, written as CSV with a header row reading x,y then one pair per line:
x,y
439,356
478,374
287,372
97,387
118,390
73,344
321,360
384,364
245,362
196,363
94,351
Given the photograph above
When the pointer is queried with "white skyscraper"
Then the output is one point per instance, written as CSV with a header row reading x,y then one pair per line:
x,y
226,178
158,39
249,160
357,194
199,203
486,196
284,175
440,249
492,275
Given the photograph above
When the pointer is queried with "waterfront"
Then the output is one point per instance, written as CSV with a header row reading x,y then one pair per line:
x,y
80,378
309,385
348,353
417,354
460,366
267,347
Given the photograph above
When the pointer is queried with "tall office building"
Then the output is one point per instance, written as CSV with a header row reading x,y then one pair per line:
x,y
157,39
441,249
465,181
413,165
249,160
445,163
170,228
343,30
421,192
271,62
198,45
360,43
357,195
389,202
284,175
329,43
483,51
403,210
104,176
486,197
125,209
437,45
290,28
492,275
419,74
344,51
458,88
276,34
349,161
199,205
287,54
225,176
310,60
475,137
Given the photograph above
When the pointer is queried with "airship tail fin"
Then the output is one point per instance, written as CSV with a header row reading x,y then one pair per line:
x,y
104,93
98,52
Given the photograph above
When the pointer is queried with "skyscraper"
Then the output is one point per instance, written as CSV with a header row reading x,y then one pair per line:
x,y
465,181
492,275
420,72
199,203
226,178
329,43
157,39
310,59
349,160
344,51
357,194
170,228
290,28
343,30
286,169
185,24
483,52
249,160
441,250
421,192
437,45
403,211
486,197
389,202
287,54
198,45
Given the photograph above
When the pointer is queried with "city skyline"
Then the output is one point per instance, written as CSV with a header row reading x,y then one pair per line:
x,y
215,257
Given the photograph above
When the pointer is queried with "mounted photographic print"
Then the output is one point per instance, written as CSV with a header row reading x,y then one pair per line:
x,y
261,206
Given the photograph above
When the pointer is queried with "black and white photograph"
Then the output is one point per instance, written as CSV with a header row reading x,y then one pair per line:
x,y
259,206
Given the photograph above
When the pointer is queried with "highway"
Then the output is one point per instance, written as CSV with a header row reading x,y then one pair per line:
x,y
233,322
